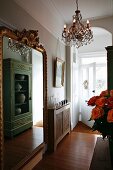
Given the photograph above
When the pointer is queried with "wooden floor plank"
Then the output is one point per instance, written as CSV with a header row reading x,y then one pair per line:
x,y
21,146
74,152
81,127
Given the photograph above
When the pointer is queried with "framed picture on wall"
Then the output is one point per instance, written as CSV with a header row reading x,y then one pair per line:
x,y
59,72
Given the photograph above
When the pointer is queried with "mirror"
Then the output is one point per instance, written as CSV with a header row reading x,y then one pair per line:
x,y
23,94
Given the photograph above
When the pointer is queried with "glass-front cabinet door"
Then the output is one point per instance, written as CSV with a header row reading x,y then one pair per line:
x,y
17,96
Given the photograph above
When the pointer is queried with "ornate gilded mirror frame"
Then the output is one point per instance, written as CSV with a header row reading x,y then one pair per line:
x,y
31,39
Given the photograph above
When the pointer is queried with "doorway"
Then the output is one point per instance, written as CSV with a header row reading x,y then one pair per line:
x,y
93,80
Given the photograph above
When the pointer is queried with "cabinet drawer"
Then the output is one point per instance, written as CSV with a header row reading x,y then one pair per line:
x,y
22,121
22,67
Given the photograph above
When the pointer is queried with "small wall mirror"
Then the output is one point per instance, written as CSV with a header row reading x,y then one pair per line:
x,y
23,96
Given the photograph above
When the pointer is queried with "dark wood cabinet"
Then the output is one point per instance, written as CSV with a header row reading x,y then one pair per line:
x,y
58,125
109,67
17,103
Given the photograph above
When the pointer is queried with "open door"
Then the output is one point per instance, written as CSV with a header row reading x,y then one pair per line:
x,y
93,79
87,90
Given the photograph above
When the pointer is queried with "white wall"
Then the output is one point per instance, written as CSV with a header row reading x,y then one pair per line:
x,y
75,86
72,76
106,23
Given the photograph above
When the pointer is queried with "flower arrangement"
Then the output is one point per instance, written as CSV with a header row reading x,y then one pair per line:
x,y
102,113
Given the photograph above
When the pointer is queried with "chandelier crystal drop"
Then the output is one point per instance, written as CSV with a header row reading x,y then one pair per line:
x,y
77,34
20,48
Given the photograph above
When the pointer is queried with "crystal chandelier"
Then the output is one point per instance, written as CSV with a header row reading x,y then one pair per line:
x,y
20,48
78,34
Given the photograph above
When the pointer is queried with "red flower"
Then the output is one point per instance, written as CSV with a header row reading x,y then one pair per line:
x,y
111,93
110,116
92,101
110,102
97,112
102,114
100,101
104,93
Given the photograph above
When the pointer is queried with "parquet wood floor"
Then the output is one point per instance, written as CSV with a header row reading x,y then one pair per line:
x,y
81,127
21,146
74,152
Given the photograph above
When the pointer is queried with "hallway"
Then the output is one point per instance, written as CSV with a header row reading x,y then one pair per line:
x,y
74,152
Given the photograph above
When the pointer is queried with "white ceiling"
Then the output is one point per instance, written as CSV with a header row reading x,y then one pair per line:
x,y
53,14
